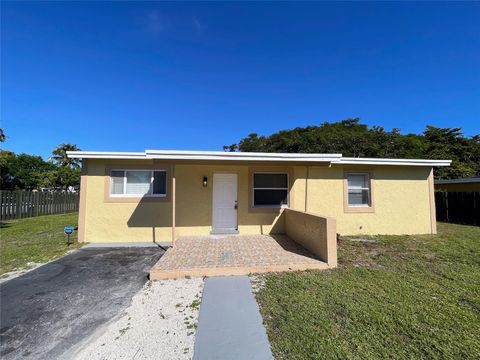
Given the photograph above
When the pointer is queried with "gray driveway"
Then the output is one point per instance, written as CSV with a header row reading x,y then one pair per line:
x,y
50,310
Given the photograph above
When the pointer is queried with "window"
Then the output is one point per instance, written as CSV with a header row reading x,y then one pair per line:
x,y
359,190
270,190
138,183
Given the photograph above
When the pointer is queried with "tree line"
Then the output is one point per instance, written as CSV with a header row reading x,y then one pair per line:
x,y
349,137
353,139
29,172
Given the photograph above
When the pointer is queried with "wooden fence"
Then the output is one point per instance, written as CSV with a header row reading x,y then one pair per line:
x,y
22,204
458,207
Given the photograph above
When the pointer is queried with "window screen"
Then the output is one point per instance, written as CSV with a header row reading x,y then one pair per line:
x,y
117,182
138,183
358,190
270,190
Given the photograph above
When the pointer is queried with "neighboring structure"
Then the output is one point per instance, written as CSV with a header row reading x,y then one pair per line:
x,y
468,184
458,200
161,195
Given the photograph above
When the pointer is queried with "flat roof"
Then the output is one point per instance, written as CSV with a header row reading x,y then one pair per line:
x,y
468,180
252,156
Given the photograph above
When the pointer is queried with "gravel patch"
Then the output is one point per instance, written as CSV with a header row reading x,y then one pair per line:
x,y
159,324
258,282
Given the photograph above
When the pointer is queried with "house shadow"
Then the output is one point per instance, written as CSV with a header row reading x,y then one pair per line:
x,y
157,215
148,214
291,246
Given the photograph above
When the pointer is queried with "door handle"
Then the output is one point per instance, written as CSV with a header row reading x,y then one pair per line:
x,y
236,205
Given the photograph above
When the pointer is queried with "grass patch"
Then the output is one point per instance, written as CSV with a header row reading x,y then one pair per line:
x,y
195,305
396,297
34,240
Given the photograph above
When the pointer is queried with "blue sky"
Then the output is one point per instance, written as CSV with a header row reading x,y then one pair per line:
x,y
130,76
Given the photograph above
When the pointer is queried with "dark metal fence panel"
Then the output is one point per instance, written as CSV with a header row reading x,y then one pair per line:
x,y
458,207
21,204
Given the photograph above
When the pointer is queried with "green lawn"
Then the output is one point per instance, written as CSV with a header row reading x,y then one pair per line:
x,y
34,240
397,297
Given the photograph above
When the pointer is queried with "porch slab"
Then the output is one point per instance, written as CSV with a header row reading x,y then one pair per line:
x,y
224,255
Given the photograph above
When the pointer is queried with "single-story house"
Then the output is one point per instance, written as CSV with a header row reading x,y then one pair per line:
x,y
468,184
161,195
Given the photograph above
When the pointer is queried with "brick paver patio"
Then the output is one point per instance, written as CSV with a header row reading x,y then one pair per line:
x,y
233,255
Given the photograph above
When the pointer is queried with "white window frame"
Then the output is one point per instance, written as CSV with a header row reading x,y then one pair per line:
x,y
284,206
124,195
368,188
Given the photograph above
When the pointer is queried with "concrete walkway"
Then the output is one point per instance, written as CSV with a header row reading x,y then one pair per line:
x,y
230,326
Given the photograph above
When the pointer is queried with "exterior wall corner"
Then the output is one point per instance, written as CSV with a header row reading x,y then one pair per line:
x,y
82,207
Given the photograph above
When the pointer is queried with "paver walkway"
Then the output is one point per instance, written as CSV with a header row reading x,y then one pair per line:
x,y
221,255
230,326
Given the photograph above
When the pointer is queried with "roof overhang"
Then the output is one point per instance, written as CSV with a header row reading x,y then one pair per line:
x,y
469,180
105,155
404,162
252,157
206,156
240,156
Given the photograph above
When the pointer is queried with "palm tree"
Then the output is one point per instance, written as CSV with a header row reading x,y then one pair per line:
x,y
59,156
2,136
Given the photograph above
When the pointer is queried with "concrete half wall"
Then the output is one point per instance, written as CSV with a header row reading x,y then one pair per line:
x,y
315,233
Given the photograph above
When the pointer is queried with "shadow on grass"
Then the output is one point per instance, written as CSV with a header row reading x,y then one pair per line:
x,y
4,225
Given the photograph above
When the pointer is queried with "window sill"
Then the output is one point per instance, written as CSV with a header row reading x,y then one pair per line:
x,y
136,196
270,207
267,209
359,209
135,199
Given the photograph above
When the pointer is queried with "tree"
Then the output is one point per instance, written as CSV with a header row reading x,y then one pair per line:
x,y
449,143
2,136
28,172
24,171
67,172
350,137
475,153
65,177
252,143
60,158
230,148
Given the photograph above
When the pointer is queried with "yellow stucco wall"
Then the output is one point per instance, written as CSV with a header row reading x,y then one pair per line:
x,y
122,222
194,202
318,234
401,198
140,221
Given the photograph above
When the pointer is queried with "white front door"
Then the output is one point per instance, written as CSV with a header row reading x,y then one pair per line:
x,y
224,207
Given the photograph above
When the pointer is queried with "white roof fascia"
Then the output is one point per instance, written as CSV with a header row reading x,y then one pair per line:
x,y
238,153
240,156
404,162
252,156
204,155
104,155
